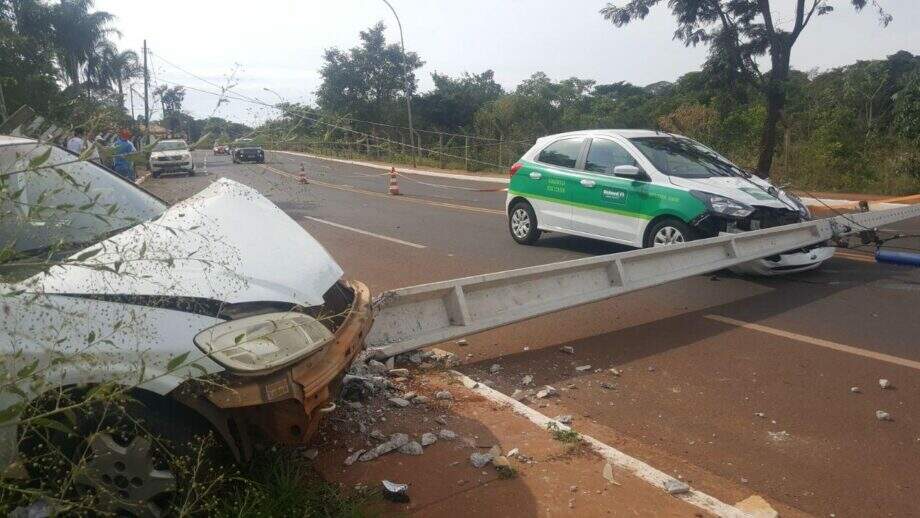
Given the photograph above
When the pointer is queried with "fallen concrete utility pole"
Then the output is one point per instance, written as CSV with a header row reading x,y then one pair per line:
x,y
410,318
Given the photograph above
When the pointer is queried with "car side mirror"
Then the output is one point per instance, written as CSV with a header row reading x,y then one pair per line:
x,y
628,171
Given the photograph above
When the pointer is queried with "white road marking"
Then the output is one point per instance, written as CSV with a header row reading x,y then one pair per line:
x,y
904,362
366,233
612,455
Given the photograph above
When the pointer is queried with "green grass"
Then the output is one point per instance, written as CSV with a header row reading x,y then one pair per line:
x,y
561,435
281,484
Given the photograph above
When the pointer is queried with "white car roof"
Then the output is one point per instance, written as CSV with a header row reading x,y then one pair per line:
x,y
625,133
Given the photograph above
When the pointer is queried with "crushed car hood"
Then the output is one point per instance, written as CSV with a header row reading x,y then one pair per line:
x,y
739,189
227,243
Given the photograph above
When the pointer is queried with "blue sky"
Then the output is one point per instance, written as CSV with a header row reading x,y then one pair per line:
x,y
279,44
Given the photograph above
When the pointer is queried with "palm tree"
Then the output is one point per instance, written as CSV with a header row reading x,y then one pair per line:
x,y
121,67
78,34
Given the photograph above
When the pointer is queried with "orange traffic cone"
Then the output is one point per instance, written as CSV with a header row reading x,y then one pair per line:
x,y
303,175
394,187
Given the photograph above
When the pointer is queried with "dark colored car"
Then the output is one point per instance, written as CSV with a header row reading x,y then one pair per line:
x,y
249,154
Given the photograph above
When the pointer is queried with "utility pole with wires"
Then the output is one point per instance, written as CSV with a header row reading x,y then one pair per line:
x,y
2,104
402,44
146,102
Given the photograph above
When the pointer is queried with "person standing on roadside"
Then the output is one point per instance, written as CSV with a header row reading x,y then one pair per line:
x,y
121,151
76,144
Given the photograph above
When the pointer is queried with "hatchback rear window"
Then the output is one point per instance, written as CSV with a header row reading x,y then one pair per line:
x,y
563,153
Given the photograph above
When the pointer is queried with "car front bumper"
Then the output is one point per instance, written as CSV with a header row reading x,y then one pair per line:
x,y
789,262
167,167
287,405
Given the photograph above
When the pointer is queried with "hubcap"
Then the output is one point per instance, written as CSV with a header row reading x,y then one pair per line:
x,y
668,236
520,223
125,477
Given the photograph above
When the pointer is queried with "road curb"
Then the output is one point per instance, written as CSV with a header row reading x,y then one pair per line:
x,y
616,457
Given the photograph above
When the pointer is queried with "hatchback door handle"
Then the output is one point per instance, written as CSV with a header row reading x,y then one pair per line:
x,y
588,183
535,175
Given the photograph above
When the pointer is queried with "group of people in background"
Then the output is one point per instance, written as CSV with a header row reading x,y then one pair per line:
x,y
122,149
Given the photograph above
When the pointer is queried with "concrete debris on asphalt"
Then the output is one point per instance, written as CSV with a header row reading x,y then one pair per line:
x,y
583,368
479,460
567,349
428,439
882,415
546,392
411,448
443,395
398,402
527,380
885,384
564,418
353,457
676,487
447,435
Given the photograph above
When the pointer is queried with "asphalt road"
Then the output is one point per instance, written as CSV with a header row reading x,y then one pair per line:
x,y
733,408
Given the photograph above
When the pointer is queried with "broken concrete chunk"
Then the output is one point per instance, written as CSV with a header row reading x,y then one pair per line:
x,y
676,487
395,492
885,384
518,395
398,402
443,395
397,373
353,457
377,434
428,439
512,452
411,448
583,368
547,391
855,390
447,435
608,473
495,368
615,372
564,418
567,349
882,415
757,507
479,460
446,359
527,380
462,342
377,367
469,383
416,358
441,420
391,363
420,400
495,450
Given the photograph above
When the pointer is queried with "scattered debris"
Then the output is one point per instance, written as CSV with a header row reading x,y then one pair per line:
x,y
397,440
391,363
567,349
607,386
779,436
377,367
881,415
398,402
446,359
447,435
583,368
468,383
676,487
885,384
420,400
564,418
395,492
547,391
855,390
512,453
443,395
441,420
608,474
495,450
479,460
760,415
495,368
377,434
651,369
311,454
503,467
353,457
404,373
615,371
518,395
428,439
411,448
527,380
462,342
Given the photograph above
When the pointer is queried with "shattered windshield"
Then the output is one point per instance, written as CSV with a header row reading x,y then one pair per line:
x,y
54,204
684,158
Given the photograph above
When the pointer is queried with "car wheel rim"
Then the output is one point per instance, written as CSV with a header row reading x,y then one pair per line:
x,y
668,236
520,223
126,478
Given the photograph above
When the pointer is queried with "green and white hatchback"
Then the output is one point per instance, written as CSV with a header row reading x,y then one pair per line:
x,y
647,188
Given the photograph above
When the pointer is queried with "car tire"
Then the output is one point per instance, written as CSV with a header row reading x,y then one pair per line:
x,y
522,223
667,231
129,455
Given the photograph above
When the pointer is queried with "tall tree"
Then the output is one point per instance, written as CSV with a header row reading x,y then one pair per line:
x,y
739,31
121,67
77,35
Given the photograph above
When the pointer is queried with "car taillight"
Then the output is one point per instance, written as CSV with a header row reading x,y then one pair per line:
x,y
514,168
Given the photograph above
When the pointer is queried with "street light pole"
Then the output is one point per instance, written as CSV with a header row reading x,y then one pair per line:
x,y
402,45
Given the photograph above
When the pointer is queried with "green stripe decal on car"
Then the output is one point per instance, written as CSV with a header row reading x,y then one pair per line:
x,y
582,205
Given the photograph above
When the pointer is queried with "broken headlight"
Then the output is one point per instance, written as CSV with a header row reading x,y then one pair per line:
x,y
800,205
723,206
261,343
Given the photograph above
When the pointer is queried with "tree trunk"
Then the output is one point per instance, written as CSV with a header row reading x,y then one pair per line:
x,y
776,101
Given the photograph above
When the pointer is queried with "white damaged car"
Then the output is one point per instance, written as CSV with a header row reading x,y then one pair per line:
x,y
219,313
